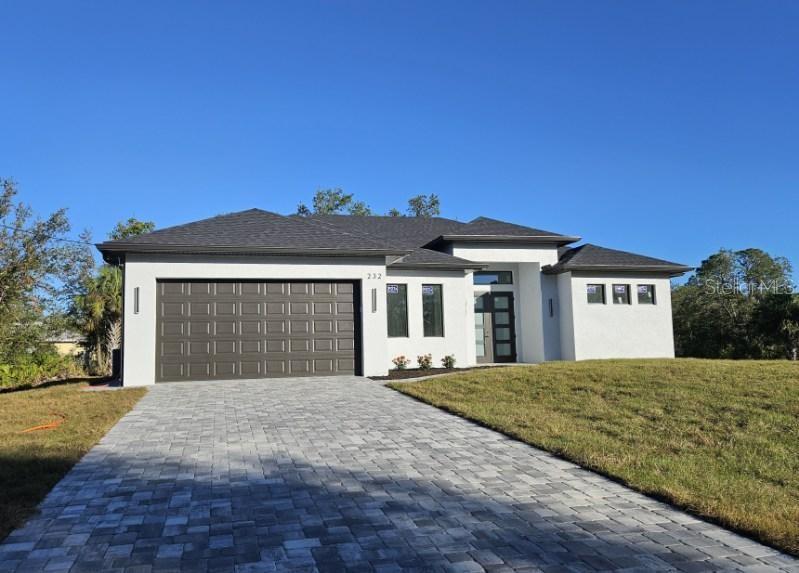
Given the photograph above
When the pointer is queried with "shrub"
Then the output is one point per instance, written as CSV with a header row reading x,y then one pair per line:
x,y
425,361
448,361
33,369
400,362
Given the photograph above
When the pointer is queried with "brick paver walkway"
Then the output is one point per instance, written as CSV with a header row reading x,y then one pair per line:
x,y
343,474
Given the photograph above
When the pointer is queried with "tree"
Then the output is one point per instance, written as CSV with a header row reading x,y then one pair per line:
x,y
37,260
334,202
97,308
719,312
130,228
424,206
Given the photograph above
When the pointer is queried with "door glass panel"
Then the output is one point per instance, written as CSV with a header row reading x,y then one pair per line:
x,y
479,303
502,333
503,349
479,334
501,318
500,302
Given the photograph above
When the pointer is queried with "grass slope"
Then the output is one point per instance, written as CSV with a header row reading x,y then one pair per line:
x,y
718,438
32,463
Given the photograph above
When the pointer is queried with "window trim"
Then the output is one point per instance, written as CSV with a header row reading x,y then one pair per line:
x,y
654,294
629,294
388,314
485,273
441,299
604,293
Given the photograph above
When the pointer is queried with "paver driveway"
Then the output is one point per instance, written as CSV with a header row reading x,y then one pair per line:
x,y
344,474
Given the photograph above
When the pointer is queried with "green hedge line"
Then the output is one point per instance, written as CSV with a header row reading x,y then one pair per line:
x,y
35,369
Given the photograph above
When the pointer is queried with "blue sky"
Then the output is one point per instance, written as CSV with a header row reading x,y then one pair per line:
x,y
665,128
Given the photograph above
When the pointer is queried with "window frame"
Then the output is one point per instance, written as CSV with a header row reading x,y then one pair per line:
x,y
402,291
441,303
476,274
654,294
629,297
603,291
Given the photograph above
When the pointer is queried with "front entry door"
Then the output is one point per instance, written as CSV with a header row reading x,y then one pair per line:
x,y
494,327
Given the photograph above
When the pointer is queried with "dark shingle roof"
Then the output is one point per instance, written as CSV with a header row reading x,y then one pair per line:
x,y
594,258
426,258
407,232
253,231
412,232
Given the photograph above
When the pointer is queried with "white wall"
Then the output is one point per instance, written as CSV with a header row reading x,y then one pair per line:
x,y
551,323
142,271
458,301
566,315
620,330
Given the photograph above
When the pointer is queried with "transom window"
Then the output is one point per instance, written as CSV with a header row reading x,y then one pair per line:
x,y
432,310
595,293
646,294
493,278
397,309
621,294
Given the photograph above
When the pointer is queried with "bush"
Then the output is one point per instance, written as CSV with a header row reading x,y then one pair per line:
x,y
400,362
425,361
448,361
34,369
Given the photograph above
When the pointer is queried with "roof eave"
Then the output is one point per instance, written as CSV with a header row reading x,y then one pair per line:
x,y
438,266
117,248
526,239
670,270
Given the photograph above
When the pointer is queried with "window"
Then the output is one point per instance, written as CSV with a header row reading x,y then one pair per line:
x,y
646,294
397,310
493,278
432,310
621,294
596,294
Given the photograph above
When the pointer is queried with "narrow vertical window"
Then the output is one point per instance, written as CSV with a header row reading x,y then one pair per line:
x,y
136,300
432,310
551,308
397,310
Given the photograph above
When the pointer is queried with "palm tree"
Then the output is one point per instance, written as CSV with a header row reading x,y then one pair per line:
x,y
98,312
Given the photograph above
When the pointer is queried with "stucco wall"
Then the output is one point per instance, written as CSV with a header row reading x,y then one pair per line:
x,y
458,302
142,271
621,330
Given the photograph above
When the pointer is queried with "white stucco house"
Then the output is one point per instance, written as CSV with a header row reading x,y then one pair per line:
x,y
256,294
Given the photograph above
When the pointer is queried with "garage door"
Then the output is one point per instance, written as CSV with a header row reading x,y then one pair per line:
x,y
255,329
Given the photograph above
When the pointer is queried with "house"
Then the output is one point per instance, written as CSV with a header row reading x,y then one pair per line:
x,y
256,294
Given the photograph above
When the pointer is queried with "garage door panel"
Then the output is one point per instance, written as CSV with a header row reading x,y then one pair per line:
x,y
252,329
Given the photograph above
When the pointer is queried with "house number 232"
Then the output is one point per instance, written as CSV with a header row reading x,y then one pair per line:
x,y
376,276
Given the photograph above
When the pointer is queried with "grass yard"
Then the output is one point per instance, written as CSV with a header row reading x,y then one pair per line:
x,y
32,463
718,438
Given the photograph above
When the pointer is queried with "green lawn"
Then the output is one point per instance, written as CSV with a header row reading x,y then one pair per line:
x,y
718,438
32,463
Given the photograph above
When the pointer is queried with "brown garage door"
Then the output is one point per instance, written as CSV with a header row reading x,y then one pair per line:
x,y
255,329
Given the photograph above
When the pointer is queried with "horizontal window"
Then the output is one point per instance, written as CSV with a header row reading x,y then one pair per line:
x,y
596,294
493,278
397,310
621,294
432,310
646,294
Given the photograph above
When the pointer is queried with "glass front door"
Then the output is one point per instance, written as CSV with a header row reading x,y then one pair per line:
x,y
494,328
